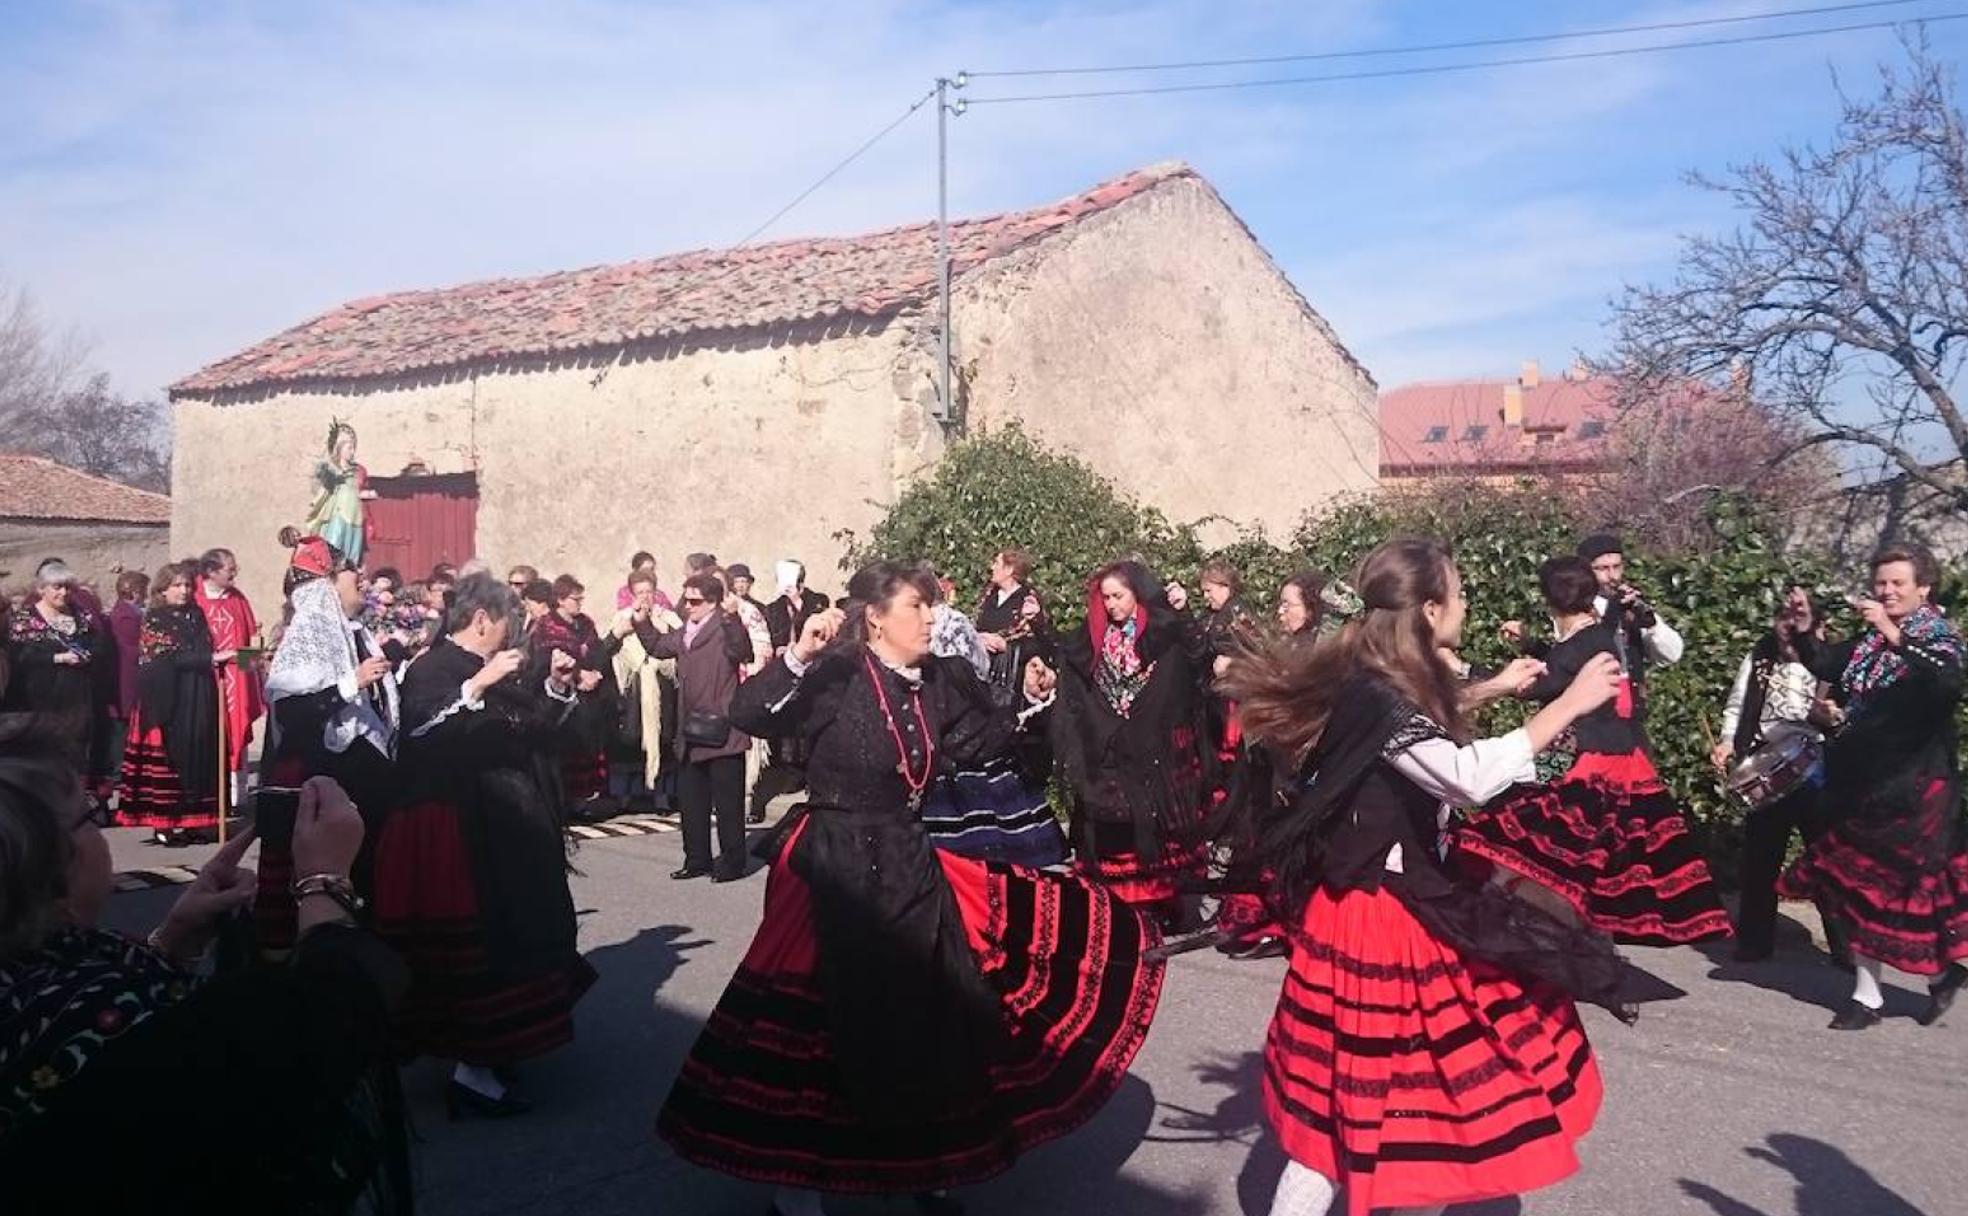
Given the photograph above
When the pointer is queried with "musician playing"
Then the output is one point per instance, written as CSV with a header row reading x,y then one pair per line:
x,y
1773,706
1643,638
1893,866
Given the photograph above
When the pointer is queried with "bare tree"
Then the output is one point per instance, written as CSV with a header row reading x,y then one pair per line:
x,y
37,367
1843,297
102,432
1671,453
51,405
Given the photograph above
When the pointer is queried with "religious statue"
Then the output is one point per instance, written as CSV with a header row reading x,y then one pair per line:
x,y
338,515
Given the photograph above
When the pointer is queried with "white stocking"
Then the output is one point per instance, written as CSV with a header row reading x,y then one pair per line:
x,y
1302,1191
1865,981
791,1201
483,1080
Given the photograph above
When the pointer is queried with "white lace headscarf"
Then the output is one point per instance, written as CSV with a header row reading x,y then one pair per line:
x,y
317,652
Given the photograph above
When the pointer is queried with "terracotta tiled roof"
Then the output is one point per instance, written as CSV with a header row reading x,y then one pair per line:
x,y
34,488
806,280
1459,427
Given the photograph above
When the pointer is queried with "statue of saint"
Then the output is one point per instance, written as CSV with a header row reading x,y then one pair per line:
x,y
338,515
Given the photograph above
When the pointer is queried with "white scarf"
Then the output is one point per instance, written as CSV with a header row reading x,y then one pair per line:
x,y
318,652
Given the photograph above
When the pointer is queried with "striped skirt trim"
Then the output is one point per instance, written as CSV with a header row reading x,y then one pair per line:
x,y
426,907
150,793
994,815
759,1097
1414,1078
1621,855
1898,890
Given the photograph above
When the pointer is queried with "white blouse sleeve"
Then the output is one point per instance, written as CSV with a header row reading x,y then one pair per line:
x,y
1471,774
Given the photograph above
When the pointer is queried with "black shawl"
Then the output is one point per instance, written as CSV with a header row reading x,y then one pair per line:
x,y
1152,767
489,763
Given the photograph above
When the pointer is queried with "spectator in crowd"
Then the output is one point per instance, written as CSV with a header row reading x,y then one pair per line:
x,y
636,747
709,648
584,764
171,760
519,576
105,1041
126,626
642,563
56,645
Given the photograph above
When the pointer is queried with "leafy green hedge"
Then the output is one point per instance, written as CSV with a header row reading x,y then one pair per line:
x,y
1005,488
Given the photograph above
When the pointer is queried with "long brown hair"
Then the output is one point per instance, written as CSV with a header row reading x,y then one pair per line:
x,y
1286,694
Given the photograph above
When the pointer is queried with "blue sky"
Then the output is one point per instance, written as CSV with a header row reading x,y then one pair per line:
x,y
180,180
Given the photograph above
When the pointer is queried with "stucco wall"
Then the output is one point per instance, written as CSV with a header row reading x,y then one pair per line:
x,y
95,551
754,451
1160,343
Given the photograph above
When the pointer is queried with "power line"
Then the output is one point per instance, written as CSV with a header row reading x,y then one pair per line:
x,y
1447,68
1472,44
830,174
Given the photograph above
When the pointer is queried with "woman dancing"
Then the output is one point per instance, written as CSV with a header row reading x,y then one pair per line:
x,y
1131,737
1607,837
1893,867
906,1019
1425,1050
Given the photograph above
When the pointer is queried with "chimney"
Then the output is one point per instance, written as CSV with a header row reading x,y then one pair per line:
x,y
1529,376
1578,372
1513,404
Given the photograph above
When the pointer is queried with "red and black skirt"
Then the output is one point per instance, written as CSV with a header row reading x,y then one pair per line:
x,y
1413,1076
1112,860
1611,841
1899,886
760,1095
151,794
459,1006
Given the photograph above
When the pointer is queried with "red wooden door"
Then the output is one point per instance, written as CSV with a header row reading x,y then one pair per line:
x,y
421,521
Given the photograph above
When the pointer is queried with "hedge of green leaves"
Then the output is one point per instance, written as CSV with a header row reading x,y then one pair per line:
x,y
1005,488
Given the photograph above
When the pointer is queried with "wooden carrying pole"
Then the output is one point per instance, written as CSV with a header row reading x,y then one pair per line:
x,y
225,759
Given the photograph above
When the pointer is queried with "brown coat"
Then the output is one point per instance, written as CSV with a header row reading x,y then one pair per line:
x,y
706,674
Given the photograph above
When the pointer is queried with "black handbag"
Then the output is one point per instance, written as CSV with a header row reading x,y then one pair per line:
x,y
700,729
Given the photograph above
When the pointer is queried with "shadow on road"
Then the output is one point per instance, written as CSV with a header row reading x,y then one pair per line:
x,y
596,1098
1808,979
1829,1183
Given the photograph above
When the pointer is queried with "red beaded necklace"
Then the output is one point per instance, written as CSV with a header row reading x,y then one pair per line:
x,y
917,783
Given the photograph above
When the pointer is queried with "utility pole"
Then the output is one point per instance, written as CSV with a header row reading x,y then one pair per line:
x,y
945,403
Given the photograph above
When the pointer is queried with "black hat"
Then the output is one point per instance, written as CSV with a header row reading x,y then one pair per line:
x,y
739,570
1598,545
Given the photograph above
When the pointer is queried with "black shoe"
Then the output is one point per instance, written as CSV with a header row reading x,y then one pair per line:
x,y
690,872
727,875
755,815
1942,994
1263,947
462,1101
1855,1017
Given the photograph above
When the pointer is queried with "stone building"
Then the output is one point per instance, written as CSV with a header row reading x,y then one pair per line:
x,y
98,527
756,401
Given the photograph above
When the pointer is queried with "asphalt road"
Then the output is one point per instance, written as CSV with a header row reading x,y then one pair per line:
x,y
1730,1098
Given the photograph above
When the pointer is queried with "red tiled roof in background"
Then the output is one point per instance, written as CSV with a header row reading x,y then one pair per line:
x,y
805,280
1558,406
34,488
